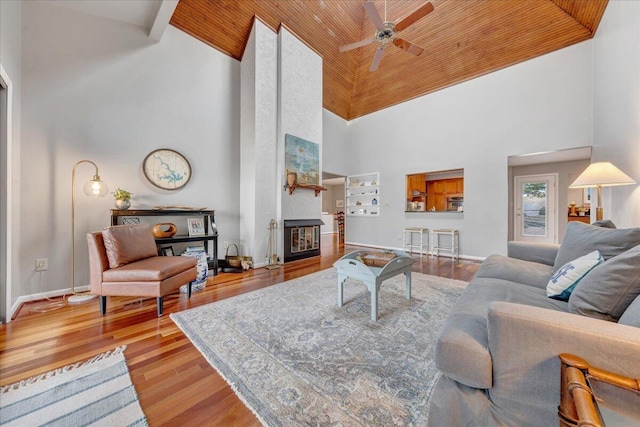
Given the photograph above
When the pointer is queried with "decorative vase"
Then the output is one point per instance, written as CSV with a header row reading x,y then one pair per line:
x,y
123,204
164,229
292,177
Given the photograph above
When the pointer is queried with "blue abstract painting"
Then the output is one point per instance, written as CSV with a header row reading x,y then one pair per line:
x,y
303,157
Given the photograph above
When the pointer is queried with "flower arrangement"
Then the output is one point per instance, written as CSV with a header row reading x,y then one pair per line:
x,y
121,194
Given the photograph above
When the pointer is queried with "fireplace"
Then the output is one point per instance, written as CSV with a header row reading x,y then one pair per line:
x,y
301,238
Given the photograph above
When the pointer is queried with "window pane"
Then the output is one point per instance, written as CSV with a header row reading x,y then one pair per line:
x,y
534,209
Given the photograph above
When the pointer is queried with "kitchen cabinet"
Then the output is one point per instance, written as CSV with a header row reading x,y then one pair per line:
x,y
439,190
363,195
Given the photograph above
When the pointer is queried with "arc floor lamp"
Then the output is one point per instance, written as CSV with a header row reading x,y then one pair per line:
x,y
93,188
601,174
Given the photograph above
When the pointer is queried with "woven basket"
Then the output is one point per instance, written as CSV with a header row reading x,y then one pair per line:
x,y
377,259
235,260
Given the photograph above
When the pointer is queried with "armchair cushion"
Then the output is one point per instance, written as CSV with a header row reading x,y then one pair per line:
x,y
125,244
608,289
156,268
580,239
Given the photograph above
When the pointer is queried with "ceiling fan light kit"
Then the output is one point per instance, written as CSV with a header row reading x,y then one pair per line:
x,y
387,31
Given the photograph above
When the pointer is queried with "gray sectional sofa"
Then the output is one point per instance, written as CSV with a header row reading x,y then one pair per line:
x,y
498,351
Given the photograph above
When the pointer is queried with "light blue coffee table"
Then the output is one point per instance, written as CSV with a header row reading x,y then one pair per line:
x,y
349,267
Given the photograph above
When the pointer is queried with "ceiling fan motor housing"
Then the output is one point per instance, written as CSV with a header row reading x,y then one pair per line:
x,y
387,33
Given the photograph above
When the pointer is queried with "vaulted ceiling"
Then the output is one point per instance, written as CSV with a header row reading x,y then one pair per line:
x,y
462,39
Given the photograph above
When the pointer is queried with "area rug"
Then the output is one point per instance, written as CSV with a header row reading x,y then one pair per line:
x,y
295,358
97,392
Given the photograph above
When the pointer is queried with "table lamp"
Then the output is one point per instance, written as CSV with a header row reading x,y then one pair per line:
x,y
94,188
601,174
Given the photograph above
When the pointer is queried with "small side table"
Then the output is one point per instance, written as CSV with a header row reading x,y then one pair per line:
x,y
438,246
422,233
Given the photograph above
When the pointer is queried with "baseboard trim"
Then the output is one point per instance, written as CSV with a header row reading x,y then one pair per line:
x,y
461,256
42,296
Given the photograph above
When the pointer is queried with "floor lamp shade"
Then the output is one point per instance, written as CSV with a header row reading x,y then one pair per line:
x,y
601,174
94,188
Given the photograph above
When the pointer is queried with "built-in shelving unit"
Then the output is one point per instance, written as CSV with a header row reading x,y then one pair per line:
x,y
363,195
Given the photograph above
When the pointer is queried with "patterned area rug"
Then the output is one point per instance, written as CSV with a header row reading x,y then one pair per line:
x,y
295,358
97,392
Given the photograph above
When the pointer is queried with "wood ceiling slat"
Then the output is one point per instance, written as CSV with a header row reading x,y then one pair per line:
x,y
462,40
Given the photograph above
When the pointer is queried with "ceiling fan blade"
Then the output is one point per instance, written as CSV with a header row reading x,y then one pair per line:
x,y
413,49
414,16
376,59
374,15
355,45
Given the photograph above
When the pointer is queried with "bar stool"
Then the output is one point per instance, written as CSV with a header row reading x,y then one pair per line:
x,y
422,233
453,248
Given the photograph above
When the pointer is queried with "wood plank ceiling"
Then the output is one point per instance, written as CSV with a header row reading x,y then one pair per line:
x,y
463,39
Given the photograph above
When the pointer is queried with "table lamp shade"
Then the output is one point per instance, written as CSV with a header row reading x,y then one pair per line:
x,y
601,174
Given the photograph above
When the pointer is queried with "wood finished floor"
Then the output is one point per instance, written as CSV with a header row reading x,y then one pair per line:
x,y
175,384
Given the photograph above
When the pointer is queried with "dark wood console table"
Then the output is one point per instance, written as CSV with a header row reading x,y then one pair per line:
x,y
210,230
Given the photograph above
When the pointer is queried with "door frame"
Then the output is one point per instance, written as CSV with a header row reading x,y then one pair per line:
x,y
551,216
6,196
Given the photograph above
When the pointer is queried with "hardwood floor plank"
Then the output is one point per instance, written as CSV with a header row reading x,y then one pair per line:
x,y
176,385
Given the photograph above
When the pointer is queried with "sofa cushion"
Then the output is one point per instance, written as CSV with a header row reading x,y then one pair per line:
x,y
128,243
564,281
607,291
607,223
580,239
515,270
631,315
462,350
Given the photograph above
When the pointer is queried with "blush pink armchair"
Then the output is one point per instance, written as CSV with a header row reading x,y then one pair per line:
x,y
123,261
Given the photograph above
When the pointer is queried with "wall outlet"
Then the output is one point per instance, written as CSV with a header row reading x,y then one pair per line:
x,y
400,236
42,264
225,245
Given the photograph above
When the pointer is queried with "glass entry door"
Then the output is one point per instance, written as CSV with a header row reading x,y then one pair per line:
x,y
535,217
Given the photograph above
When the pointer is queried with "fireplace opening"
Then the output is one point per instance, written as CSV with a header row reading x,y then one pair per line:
x,y
301,238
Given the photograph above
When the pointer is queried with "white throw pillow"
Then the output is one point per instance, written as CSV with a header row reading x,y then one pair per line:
x,y
569,275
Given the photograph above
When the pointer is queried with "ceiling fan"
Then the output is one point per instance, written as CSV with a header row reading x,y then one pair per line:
x,y
387,31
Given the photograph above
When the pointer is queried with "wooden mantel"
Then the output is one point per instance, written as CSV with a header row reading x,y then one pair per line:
x,y
316,188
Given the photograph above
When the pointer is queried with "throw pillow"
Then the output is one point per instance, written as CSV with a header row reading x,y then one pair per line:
x,y
569,275
128,243
631,315
580,239
608,290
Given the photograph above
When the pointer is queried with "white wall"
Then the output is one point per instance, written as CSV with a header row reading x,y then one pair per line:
x,y
99,89
10,45
335,144
300,115
543,104
259,127
617,106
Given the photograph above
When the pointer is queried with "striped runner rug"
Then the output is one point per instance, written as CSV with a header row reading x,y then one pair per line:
x,y
97,392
